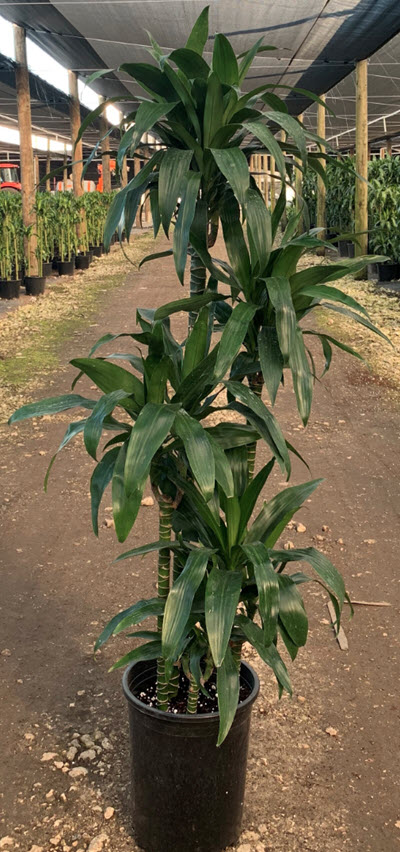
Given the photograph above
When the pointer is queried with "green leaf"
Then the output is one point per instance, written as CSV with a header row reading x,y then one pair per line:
x,y
190,62
173,169
146,117
223,471
101,477
294,128
291,611
267,138
155,256
194,303
151,79
148,433
52,405
232,338
184,221
149,651
179,602
302,377
149,548
268,588
247,59
234,166
250,496
281,298
269,654
125,508
196,343
213,109
273,435
200,508
276,509
362,320
110,377
198,450
224,62
228,694
132,615
94,423
199,34
221,600
327,572
334,294
337,343
259,229
271,360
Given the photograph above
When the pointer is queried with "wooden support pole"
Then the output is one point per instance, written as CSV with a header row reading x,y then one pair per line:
x,y
299,191
321,188
26,151
105,157
65,170
272,170
77,152
389,147
36,170
48,166
361,196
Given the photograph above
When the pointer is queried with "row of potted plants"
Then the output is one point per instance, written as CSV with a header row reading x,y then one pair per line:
x,y
383,203
223,579
68,232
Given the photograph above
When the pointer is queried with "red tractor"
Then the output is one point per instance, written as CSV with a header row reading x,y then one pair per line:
x,y
9,177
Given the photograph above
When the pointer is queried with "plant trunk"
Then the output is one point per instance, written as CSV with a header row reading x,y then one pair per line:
x,y
193,696
163,581
256,383
198,277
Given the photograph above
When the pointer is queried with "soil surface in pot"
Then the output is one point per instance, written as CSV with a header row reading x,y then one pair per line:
x,y
206,704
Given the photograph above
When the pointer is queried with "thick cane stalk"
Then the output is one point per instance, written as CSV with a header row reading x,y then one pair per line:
x,y
163,581
198,277
193,696
256,383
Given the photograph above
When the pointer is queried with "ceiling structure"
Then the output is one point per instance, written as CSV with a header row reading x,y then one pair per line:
x,y
318,43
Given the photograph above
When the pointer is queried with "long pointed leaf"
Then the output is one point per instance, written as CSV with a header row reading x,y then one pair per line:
x,y
269,654
198,450
179,602
101,477
232,337
222,597
148,433
271,360
228,694
173,169
268,588
184,222
276,509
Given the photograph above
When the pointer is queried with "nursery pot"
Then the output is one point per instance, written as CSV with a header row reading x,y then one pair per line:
x,y
343,248
34,284
82,261
97,251
66,267
388,271
187,794
47,268
9,289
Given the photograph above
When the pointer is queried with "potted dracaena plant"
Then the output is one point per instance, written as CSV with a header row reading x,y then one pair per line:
x,y
229,582
35,284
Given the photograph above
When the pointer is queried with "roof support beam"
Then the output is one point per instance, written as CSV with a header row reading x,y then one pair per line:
x,y
77,154
26,150
361,197
105,157
321,188
298,183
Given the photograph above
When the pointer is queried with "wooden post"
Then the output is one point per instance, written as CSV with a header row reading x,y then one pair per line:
x,y
65,170
389,147
36,170
299,190
26,151
77,152
272,170
105,158
321,188
48,166
361,196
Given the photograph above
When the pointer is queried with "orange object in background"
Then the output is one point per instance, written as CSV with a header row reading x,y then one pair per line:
x,y
9,177
99,185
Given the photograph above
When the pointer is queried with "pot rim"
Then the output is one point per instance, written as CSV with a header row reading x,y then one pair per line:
x,y
184,718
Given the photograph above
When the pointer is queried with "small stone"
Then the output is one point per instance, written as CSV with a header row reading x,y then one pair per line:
x,y
109,813
81,692
369,541
77,772
55,840
259,847
35,848
48,755
29,738
89,754
96,845
98,735
58,764
147,501
71,753
6,652
244,847
287,546
340,541
106,744
397,823
50,794
250,835
87,740
108,523
300,528
331,731
301,699
6,841
324,528
263,828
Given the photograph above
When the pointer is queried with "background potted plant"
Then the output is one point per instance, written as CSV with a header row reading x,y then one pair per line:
x,y
384,215
12,245
228,582
65,219
35,284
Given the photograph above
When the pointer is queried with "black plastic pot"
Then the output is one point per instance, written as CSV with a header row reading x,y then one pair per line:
x,y
54,263
47,268
9,289
97,251
66,267
388,271
90,256
187,794
343,248
34,285
82,261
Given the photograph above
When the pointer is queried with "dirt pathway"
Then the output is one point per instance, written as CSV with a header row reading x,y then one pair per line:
x,y
323,768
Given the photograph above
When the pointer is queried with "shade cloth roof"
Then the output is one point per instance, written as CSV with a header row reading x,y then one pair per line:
x,y
318,41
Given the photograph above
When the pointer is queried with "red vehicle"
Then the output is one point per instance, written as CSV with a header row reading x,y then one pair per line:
x,y
9,177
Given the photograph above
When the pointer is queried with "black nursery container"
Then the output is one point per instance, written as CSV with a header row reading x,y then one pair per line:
x,y
66,267
9,289
82,261
187,794
34,284
47,268
388,271
97,251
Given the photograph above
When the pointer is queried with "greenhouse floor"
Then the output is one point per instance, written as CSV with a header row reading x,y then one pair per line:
x,y
321,775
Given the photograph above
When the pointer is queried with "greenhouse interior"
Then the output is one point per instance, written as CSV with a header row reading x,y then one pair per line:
x,y
199,328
